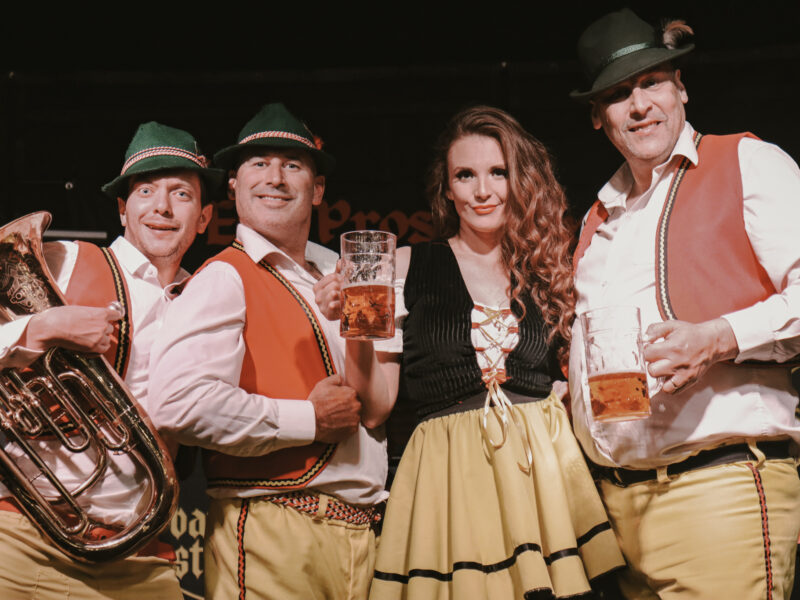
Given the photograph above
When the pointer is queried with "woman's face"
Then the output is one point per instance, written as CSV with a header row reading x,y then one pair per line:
x,y
477,183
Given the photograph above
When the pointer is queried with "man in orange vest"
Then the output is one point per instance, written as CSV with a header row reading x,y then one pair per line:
x,y
163,195
250,369
698,232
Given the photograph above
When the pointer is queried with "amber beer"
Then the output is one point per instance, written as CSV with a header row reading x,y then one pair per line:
x,y
615,366
367,273
619,396
368,312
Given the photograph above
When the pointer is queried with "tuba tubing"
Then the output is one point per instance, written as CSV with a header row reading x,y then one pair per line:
x,y
81,402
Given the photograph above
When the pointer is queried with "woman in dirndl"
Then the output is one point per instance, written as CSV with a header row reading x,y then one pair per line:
x,y
492,497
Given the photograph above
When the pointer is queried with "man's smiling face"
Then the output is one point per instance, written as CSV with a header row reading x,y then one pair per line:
x,y
275,189
163,213
643,116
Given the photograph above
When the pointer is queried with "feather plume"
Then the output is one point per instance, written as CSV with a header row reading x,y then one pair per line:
x,y
676,33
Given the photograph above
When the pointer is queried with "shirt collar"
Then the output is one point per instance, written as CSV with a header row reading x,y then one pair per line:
x,y
614,194
136,263
258,247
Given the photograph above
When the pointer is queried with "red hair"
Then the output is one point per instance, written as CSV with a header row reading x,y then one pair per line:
x,y
535,246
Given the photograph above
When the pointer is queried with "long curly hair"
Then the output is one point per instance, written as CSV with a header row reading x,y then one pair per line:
x,y
535,245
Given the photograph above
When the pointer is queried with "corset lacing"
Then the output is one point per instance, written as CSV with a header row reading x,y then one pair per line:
x,y
498,331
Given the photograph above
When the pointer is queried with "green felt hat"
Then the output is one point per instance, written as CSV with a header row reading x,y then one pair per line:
x,y
157,147
275,127
618,46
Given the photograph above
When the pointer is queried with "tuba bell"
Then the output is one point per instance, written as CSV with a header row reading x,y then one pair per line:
x,y
67,405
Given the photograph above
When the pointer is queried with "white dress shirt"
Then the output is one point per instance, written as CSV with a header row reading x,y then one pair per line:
x,y
730,403
196,366
110,497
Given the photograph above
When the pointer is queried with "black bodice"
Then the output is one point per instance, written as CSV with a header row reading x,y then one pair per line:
x,y
440,367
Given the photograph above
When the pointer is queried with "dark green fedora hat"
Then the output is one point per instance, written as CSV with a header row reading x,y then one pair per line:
x,y
157,147
275,127
618,46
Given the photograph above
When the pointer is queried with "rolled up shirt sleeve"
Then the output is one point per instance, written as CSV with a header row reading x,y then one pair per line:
x,y
12,354
770,330
60,258
195,369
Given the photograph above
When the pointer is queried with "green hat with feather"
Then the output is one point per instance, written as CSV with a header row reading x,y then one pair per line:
x,y
621,45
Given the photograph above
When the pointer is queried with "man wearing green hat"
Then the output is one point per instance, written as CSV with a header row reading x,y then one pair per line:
x,y
251,370
698,232
163,196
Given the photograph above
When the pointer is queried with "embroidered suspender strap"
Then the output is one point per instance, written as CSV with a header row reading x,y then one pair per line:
x,y
280,376
662,290
97,280
124,325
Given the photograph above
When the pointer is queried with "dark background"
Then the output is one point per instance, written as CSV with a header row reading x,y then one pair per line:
x,y
376,81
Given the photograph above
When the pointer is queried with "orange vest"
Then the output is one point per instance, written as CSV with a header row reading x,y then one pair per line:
x,y
286,355
705,265
97,280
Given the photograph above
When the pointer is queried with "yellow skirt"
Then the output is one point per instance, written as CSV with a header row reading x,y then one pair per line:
x,y
465,521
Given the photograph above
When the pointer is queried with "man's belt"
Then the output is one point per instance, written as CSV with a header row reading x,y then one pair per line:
x,y
707,458
337,510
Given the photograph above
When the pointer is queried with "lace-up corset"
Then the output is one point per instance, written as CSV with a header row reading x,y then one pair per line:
x,y
451,345
495,333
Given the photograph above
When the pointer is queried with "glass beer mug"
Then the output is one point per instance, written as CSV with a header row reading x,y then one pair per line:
x,y
615,366
368,259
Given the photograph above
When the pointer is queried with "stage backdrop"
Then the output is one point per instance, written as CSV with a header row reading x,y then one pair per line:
x,y
64,134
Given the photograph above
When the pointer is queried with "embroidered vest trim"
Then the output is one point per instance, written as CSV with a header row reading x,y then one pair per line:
x,y
288,468
688,260
662,288
670,272
97,280
684,271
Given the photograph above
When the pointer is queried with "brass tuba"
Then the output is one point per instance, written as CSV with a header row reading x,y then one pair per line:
x,y
80,401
